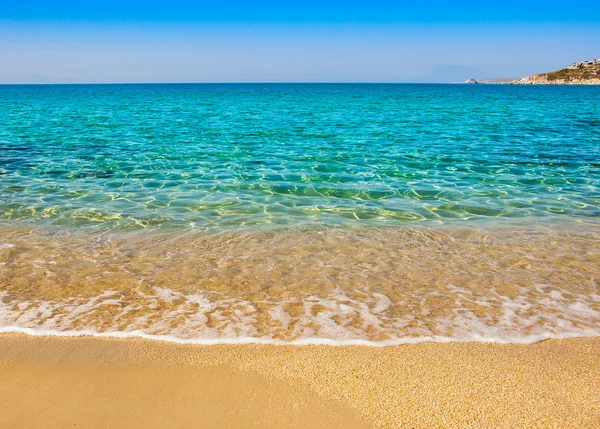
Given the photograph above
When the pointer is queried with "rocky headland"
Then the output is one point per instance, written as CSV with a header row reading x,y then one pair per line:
x,y
581,73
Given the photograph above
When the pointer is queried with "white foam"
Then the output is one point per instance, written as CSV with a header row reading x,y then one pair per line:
x,y
535,314
528,339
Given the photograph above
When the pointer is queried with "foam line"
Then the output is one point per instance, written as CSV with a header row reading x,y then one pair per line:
x,y
526,339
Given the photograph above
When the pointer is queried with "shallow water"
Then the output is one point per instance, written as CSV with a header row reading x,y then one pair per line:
x,y
381,213
343,284
173,157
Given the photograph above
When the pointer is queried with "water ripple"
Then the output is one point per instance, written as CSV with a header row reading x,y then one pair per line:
x,y
210,156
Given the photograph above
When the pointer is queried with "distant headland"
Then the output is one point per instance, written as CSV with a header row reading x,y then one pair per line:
x,y
580,73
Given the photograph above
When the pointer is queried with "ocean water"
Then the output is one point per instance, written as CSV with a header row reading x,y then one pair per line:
x,y
210,156
296,212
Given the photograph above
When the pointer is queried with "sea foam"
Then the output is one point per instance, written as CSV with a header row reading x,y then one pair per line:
x,y
340,320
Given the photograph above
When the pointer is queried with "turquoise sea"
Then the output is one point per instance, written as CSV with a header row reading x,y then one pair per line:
x,y
338,213
223,156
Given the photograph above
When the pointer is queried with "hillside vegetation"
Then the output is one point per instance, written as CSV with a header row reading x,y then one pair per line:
x,y
585,73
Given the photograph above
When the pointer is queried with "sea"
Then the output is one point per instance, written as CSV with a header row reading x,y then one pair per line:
x,y
372,214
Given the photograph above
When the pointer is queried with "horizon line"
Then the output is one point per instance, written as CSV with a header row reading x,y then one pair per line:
x,y
251,83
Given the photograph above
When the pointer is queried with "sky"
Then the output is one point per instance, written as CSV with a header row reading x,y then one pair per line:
x,y
45,41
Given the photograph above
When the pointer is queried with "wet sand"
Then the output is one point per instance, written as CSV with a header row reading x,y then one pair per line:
x,y
50,382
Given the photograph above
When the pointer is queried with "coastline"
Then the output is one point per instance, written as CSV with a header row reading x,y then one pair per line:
x,y
398,285
549,83
299,256
98,381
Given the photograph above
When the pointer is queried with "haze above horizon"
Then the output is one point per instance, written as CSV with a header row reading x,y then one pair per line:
x,y
290,41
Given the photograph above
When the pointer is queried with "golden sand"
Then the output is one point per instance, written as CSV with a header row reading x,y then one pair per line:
x,y
89,382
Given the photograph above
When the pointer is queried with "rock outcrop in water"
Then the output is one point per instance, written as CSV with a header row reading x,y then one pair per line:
x,y
582,73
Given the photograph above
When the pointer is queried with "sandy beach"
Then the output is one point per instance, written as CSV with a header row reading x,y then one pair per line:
x,y
299,215
54,382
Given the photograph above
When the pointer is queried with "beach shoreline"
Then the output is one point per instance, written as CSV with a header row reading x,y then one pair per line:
x,y
100,382
391,286
443,238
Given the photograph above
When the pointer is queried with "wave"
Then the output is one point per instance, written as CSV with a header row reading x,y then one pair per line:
x,y
526,339
370,286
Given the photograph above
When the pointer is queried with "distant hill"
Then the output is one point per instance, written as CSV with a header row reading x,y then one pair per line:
x,y
582,73
496,80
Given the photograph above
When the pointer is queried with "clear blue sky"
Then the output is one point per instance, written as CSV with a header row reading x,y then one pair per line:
x,y
224,41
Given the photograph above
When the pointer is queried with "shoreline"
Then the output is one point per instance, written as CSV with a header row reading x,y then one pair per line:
x,y
555,84
397,284
303,342
55,382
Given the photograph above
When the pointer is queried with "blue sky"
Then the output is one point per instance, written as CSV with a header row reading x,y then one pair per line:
x,y
244,41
